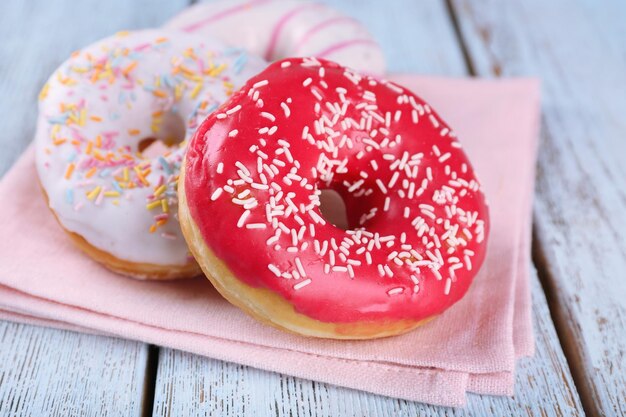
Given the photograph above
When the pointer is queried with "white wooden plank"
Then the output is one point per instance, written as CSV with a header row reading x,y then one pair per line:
x,y
417,37
578,49
45,371
543,388
61,373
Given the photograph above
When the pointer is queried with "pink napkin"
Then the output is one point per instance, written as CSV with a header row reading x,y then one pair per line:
x,y
472,347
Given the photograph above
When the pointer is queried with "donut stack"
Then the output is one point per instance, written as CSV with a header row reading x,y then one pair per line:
x,y
166,153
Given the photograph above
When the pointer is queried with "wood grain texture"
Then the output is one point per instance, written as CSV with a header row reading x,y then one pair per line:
x,y
417,37
46,372
190,385
578,48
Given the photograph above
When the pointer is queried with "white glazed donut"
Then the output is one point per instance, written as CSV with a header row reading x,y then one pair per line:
x,y
97,110
276,29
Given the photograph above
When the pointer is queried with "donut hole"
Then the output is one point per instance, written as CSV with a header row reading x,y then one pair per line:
x,y
333,208
145,143
172,129
170,133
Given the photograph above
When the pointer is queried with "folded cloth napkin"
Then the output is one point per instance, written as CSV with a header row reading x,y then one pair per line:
x,y
471,347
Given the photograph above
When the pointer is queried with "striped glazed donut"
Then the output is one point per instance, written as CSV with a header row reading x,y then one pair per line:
x,y
276,29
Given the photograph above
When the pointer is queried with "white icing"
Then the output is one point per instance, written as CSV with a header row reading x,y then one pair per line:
x,y
123,103
276,29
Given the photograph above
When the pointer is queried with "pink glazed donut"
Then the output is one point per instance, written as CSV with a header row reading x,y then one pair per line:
x,y
276,29
250,203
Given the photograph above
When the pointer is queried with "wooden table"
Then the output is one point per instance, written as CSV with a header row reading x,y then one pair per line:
x,y
577,47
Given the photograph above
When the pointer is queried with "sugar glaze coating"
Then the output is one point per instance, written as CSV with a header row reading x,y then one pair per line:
x,y
418,221
94,112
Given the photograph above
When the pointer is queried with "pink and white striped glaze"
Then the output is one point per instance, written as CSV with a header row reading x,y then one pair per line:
x,y
93,113
277,29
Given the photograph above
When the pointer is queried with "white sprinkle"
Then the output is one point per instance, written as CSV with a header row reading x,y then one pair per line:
x,y
274,269
318,96
307,82
285,109
220,167
446,290
234,109
388,271
285,64
468,262
436,273
243,168
394,178
242,219
300,267
316,217
394,291
233,133
302,284
250,205
260,84
350,271
381,186
331,257
216,194
256,226
269,116
411,190
355,186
